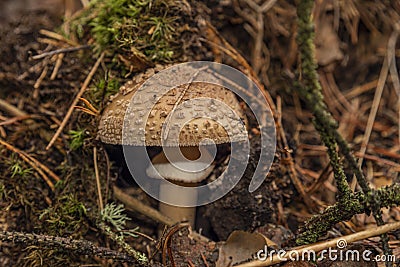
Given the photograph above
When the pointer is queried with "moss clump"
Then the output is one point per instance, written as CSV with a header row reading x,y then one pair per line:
x,y
135,31
77,138
65,217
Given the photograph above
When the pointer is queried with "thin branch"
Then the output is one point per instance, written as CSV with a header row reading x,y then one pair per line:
x,y
12,110
81,247
88,111
378,95
61,51
317,226
136,205
310,89
75,102
98,184
277,258
58,37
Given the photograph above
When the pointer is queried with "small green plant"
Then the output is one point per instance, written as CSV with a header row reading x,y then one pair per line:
x,y
77,139
106,87
17,168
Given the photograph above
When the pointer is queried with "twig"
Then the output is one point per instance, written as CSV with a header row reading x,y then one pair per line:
x,y
167,243
136,205
58,37
88,111
374,109
139,257
18,118
45,168
89,105
79,95
326,125
108,171
12,110
81,247
204,259
320,180
394,75
267,5
57,66
385,152
378,94
61,51
356,91
49,41
98,184
35,161
39,81
324,245
231,51
380,160
257,23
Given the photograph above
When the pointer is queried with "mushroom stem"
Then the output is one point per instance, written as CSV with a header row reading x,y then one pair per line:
x,y
161,168
177,214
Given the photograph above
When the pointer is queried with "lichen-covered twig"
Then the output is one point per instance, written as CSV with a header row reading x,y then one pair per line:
x,y
81,247
139,257
310,89
343,211
113,214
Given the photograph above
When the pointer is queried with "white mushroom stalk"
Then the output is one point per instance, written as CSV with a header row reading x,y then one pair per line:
x,y
189,172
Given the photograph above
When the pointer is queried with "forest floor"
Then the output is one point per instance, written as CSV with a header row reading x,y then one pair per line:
x,y
55,192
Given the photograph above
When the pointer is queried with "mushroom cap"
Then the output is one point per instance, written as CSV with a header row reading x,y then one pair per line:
x,y
192,123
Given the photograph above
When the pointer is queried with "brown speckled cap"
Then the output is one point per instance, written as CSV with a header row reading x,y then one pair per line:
x,y
210,121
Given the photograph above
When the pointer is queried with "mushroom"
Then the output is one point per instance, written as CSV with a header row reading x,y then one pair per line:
x,y
201,124
189,172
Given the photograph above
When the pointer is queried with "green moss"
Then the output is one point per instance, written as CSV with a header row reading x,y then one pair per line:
x,y
18,182
145,30
77,139
65,217
17,168
104,87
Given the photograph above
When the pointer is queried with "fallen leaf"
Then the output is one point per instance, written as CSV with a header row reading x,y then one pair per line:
x,y
241,246
327,44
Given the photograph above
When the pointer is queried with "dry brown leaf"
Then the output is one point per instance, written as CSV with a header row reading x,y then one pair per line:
x,y
327,43
241,246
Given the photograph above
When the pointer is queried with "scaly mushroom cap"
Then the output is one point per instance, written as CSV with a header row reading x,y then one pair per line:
x,y
216,127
